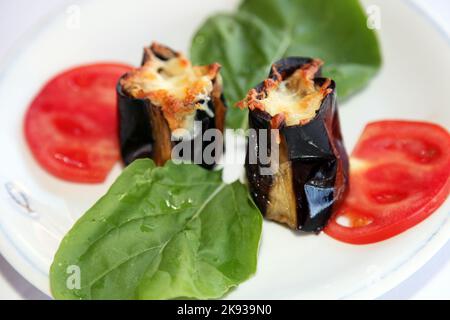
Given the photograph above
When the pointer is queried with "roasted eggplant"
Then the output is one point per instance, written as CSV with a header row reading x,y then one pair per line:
x,y
312,170
161,97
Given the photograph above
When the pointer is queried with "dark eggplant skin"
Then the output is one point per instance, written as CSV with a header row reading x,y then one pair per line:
x,y
143,130
313,173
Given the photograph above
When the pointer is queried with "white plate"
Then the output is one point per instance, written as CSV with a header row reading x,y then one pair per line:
x,y
412,84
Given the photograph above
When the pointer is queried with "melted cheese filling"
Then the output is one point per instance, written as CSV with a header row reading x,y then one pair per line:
x,y
296,107
176,77
297,98
175,86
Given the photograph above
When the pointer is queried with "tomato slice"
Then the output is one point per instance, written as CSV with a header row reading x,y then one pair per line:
x,y
399,174
71,125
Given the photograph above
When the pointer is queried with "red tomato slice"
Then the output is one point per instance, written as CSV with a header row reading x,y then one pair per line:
x,y
400,174
71,125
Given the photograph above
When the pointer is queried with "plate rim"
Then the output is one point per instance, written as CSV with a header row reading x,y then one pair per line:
x,y
391,279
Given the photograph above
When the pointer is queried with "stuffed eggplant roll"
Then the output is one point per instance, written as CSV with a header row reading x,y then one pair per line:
x,y
166,101
312,169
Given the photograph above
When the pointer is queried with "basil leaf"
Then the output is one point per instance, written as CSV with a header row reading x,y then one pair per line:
x,y
159,233
247,42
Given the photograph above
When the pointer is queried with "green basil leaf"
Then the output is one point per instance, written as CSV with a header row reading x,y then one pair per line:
x,y
247,42
159,233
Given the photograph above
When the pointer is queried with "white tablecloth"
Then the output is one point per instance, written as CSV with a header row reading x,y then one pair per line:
x,y
432,281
